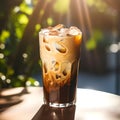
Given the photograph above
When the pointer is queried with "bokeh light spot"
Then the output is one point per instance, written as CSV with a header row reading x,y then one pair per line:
x,y
2,46
25,55
114,48
28,83
49,21
1,55
36,83
8,81
3,77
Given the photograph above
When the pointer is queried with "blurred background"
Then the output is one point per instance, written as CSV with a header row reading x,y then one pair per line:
x,y
21,21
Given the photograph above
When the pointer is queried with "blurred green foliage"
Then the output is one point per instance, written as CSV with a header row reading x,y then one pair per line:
x,y
4,35
95,40
98,4
10,36
61,7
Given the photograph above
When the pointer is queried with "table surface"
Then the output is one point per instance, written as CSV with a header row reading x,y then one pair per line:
x,y
22,104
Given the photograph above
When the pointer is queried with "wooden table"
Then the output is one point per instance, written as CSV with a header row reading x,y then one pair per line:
x,y
17,104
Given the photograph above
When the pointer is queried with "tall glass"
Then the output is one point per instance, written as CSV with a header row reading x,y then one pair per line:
x,y
60,56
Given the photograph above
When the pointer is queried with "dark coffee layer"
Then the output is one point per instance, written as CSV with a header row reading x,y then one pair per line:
x,y
65,93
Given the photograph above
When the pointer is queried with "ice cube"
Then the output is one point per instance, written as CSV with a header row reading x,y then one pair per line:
x,y
74,31
47,47
60,48
45,30
64,72
45,40
54,32
45,68
57,27
63,31
58,76
55,65
66,68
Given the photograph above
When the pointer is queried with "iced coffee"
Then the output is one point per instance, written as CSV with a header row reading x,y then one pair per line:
x,y
60,56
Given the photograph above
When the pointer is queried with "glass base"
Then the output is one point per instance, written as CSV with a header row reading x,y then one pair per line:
x,y
60,105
